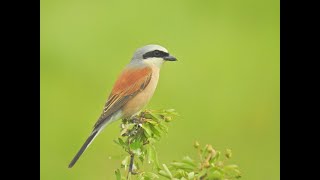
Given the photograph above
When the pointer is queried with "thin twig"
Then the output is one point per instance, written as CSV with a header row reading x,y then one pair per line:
x,y
131,163
130,166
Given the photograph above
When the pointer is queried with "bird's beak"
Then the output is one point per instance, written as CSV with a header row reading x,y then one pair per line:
x,y
169,58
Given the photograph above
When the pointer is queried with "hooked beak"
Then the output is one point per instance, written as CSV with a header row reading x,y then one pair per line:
x,y
169,58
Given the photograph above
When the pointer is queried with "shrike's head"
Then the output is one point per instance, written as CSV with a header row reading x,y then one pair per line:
x,y
152,54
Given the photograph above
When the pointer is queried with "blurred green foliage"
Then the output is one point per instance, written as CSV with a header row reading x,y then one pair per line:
x,y
225,84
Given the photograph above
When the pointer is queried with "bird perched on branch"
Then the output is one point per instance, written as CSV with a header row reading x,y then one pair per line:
x,y
132,90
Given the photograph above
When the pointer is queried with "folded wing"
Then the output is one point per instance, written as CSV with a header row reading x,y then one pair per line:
x,y
129,84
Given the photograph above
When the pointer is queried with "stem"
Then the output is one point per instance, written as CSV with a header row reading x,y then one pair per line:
x,y
131,163
130,166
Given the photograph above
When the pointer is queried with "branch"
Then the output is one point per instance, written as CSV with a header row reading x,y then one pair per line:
x,y
130,166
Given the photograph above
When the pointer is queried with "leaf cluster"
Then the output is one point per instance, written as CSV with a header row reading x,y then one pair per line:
x,y
210,165
138,136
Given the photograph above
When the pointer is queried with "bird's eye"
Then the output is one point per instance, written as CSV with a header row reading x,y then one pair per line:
x,y
156,53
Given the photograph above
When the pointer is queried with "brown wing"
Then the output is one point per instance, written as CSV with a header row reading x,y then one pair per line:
x,y
130,83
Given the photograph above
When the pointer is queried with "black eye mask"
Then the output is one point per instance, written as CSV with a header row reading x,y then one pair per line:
x,y
155,53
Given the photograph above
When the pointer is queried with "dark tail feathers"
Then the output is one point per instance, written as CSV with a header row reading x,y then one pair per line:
x,y
82,149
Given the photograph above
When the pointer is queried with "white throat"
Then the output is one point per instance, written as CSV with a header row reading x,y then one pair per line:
x,y
154,62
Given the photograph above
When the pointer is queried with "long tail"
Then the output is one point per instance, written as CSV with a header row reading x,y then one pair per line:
x,y
83,148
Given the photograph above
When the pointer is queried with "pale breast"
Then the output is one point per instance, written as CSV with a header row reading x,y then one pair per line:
x,y
140,100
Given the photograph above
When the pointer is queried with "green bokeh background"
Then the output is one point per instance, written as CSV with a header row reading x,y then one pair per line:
x,y
226,84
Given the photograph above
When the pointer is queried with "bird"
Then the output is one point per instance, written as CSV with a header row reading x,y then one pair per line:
x,y
131,91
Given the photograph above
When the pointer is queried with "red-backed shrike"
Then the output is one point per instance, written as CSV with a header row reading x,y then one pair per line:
x,y
132,90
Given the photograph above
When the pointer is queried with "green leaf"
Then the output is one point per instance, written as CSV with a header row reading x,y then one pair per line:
x,y
122,143
151,140
150,175
164,174
180,173
156,116
135,165
152,156
232,171
135,145
152,122
216,157
148,116
118,175
204,151
182,165
142,157
167,170
231,166
125,162
156,132
191,175
216,175
163,128
147,130
189,161
115,141
137,152
170,110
